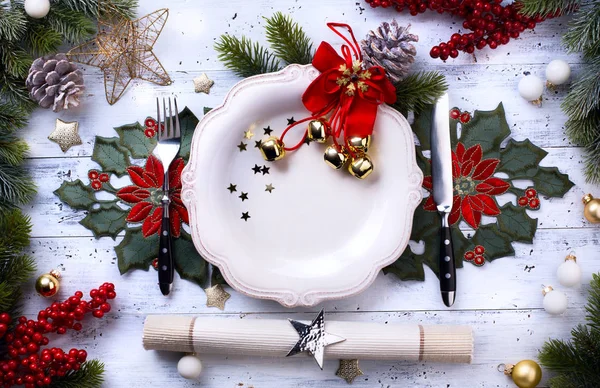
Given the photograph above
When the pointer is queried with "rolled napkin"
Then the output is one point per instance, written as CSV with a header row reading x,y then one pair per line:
x,y
275,338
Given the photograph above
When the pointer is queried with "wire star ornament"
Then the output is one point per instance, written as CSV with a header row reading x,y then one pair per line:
x,y
122,49
313,338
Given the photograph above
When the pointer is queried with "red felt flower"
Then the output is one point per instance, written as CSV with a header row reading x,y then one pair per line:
x,y
474,186
146,192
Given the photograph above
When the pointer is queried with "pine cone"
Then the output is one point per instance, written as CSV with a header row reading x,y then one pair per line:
x,y
389,47
54,81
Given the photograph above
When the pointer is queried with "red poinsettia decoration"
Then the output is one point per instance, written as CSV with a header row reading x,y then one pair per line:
x,y
474,186
146,192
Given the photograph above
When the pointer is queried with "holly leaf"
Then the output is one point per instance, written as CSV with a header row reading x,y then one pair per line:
x,y
188,122
422,127
423,163
515,222
188,262
207,109
132,137
109,154
408,266
107,220
520,156
423,222
488,129
135,251
551,182
496,243
217,277
76,194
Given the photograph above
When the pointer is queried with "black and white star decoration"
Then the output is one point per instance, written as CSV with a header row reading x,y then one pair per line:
x,y
313,338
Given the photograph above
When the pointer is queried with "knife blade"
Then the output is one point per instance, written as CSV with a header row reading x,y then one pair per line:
x,y
441,171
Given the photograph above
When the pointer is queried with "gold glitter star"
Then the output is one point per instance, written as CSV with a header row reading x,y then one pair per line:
x,y
65,134
348,370
216,296
270,188
248,134
203,84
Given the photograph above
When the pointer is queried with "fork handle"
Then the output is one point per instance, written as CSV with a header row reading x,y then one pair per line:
x,y
165,256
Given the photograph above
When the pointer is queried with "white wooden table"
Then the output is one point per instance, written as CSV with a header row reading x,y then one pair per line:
x,y
501,300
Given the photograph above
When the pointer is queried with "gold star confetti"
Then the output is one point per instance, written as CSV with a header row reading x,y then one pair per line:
x,y
216,296
203,84
270,188
248,134
348,370
66,134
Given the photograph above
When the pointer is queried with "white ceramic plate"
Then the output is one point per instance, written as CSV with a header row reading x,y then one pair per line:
x,y
320,234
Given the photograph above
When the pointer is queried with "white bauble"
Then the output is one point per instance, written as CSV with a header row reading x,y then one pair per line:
x,y
531,87
558,72
37,9
189,367
569,273
555,302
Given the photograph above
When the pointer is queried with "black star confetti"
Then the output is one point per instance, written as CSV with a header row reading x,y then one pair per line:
x,y
232,188
306,140
257,143
265,170
245,216
242,146
268,130
256,169
291,121
243,196
270,188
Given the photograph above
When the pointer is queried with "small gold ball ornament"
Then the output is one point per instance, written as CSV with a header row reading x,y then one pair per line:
x,y
526,373
334,157
317,131
272,149
47,285
361,166
591,211
359,144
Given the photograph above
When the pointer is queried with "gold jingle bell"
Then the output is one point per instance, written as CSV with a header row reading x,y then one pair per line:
x,y
359,144
272,149
47,285
317,131
591,211
361,166
336,159
526,373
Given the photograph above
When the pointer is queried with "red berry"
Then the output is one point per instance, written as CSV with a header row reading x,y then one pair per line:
x,y
481,44
470,49
5,318
531,193
111,295
479,249
93,174
81,355
493,45
479,260
470,255
454,53
435,52
77,326
98,313
465,117
150,132
105,307
523,201
534,203
96,185
104,177
150,122
454,113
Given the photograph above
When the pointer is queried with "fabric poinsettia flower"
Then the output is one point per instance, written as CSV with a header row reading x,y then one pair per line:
x,y
146,192
474,186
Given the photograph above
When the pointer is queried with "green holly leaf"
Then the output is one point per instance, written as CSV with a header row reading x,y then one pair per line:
x,y
422,127
515,222
496,243
423,162
423,222
135,251
107,220
408,266
188,262
76,194
207,109
217,277
188,122
520,156
551,182
132,137
488,129
109,154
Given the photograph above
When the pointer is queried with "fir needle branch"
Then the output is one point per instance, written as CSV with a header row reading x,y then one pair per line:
x,y
13,24
583,33
244,57
547,7
288,40
90,375
584,95
418,90
72,25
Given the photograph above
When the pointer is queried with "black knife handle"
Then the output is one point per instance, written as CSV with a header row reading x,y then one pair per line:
x,y
165,256
447,267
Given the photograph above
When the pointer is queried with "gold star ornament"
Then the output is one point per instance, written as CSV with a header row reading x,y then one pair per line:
x,y
348,370
122,49
216,296
65,134
203,84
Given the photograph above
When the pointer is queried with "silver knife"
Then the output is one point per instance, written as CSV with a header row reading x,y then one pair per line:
x,y
441,171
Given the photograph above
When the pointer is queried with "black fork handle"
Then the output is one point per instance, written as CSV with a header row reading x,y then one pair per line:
x,y
166,264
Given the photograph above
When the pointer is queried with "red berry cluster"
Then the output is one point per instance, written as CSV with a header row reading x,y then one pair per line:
x,y
464,117
530,199
97,179
476,255
151,127
26,364
491,23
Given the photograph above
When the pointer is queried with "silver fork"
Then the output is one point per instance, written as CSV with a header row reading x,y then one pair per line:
x,y
169,140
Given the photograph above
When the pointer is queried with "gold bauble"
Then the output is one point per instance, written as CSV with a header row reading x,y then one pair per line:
x,y
272,149
359,144
317,131
361,166
591,211
526,373
334,157
47,285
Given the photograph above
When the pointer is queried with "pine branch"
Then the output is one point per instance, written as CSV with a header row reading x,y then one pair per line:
x,y
15,60
16,186
41,39
547,7
72,25
584,95
288,40
13,91
13,24
90,7
244,57
12,150
593,304
418,90
12,117
585,131
583,33
89,376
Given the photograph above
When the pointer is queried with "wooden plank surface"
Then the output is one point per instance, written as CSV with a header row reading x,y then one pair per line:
x,y
501,301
